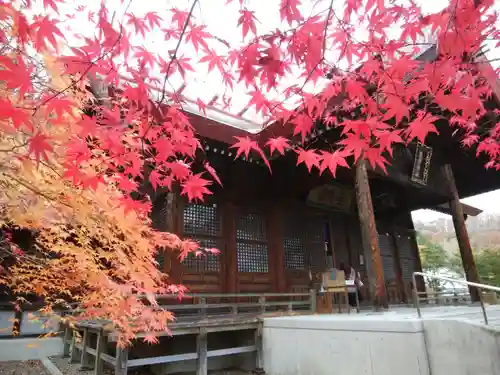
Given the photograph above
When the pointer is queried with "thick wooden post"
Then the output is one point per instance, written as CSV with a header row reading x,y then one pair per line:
x,y
276,249
100,349
230,251
121,361
369,232
84,358
201,349
457,213
397,269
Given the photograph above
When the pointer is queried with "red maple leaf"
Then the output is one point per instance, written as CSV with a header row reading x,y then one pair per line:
x,y
153,19
303,125
247,21
18,115
139,24
16,74
386,138
59,106
289,11
332,160
212,172
213,60
309,157
354,145
87,126
421,127
279,144
197,35
145,56
259,101
155,179
202,107
46,29
180,16
150,338
52,4
39,146
245,145
195,187
375,158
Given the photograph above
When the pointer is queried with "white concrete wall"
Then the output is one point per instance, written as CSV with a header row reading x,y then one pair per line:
x,y
6,321
19,349
462,348
379,344
342,344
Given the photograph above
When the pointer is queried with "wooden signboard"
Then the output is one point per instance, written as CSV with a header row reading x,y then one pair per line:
x,y
423,155
332,196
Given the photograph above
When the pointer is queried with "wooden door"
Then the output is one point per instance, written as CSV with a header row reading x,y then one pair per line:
x,y
252,251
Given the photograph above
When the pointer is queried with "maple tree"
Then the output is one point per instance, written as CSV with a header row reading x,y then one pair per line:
x,y
93,121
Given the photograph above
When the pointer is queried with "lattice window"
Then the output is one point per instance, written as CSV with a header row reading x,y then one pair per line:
x,y
406,254
252,257
407,268
251,246
251,227
202,223
207,262
201,219
295,254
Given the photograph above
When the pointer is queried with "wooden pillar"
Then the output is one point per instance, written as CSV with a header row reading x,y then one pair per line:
x,y
457,213
369,232
277,249
230,251
416,253
398,269
174,224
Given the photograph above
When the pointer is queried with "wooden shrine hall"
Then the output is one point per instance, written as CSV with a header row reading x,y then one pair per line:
x,y
274,230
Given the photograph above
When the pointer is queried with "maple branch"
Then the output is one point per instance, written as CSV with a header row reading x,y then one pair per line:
x,y
174,55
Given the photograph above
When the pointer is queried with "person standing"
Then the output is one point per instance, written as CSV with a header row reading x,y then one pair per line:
x,y
353,291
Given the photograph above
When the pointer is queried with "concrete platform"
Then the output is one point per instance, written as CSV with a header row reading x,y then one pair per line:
x,y
448,340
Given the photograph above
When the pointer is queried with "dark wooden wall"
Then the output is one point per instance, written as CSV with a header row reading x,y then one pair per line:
x,y
272,248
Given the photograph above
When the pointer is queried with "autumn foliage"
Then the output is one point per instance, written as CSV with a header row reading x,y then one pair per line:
x,y
93,119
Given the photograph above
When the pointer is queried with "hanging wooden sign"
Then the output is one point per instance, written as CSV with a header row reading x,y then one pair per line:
x,y
421,165
331,196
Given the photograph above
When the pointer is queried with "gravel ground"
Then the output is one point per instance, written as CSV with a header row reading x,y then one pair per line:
x,y
74,369
22,368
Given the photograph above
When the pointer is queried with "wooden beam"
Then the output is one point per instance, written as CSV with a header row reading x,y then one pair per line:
x,y
276,249
369,232
464,245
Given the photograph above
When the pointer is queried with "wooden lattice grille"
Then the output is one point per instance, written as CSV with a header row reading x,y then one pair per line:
x,y
202,223
386,253
294,244
251,245
406,254
316,257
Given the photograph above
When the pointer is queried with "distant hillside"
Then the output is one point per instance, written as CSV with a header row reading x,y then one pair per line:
x,y
484,232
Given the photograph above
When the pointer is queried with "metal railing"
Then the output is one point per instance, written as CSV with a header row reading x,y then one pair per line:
x,y
480,288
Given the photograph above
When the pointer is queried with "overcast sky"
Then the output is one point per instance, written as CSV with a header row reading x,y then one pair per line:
x,y
222,21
